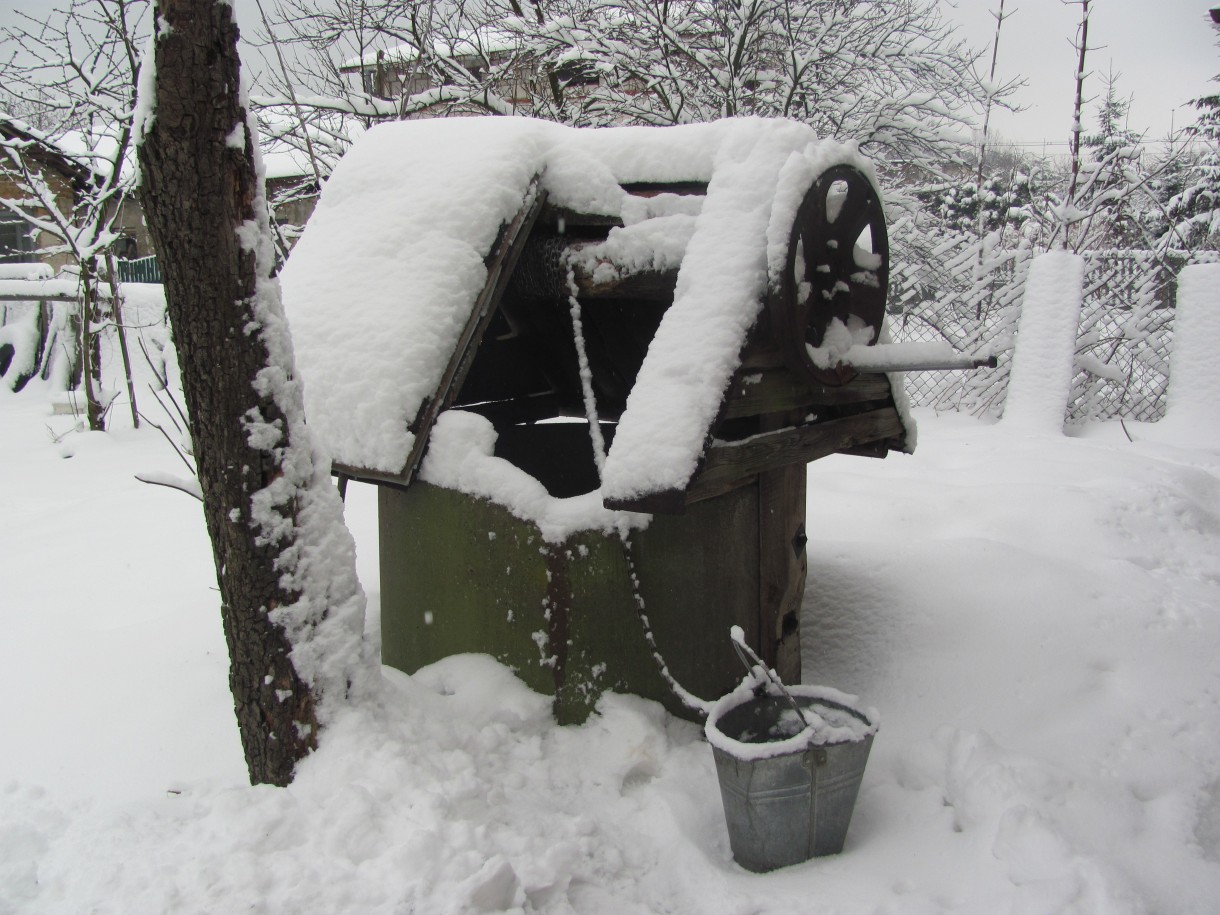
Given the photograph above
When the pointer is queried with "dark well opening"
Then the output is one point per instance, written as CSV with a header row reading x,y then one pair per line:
x,y
558,455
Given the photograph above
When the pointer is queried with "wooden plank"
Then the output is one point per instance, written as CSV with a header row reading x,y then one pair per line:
x,y
775,390
364,475
42,297
447,587
499,270
783,567
874,450
729,464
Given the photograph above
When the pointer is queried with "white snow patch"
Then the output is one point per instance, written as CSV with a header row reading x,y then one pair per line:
x,y
461,457
382,281
1193,396
1043,362
1034,616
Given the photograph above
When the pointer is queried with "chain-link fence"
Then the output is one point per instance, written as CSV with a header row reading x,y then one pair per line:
x,y
955,288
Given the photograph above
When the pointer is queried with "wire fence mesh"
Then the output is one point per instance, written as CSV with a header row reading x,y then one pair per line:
x,y
955,288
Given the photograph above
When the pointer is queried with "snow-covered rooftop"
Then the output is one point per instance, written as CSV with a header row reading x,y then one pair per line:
x,y
385,276
462,44
73,152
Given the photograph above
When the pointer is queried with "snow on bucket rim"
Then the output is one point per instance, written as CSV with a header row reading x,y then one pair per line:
x,y
818,733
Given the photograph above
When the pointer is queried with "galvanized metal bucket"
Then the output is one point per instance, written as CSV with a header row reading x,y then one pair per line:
x,y
788,789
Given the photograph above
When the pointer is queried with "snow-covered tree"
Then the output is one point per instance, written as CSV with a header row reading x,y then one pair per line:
x,y
1114,174
291,604
891,75
1191,214
1193,210
1108,184
342,65
75,70
1004,201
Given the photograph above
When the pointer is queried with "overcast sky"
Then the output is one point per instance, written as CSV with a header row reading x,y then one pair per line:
x,y
1163,50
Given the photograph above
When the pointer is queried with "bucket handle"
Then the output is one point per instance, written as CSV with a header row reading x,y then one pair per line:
x,y
753,662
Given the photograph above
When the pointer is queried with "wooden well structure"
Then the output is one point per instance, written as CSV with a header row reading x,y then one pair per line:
x,y
461,573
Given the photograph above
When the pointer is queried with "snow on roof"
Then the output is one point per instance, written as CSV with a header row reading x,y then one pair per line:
x,y
465,43
282,161
71,152
388,269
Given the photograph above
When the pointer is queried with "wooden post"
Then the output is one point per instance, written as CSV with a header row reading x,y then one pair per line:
x,y
783,567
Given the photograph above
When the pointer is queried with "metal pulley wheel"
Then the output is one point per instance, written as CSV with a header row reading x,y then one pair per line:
x,y
837,270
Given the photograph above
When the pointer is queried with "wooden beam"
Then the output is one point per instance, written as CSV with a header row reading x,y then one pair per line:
x,y
500,265
364,475
564,218
43,297
775,390
728,465
782,567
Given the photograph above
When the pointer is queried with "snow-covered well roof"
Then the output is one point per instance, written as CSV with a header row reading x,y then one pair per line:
x,y
384,279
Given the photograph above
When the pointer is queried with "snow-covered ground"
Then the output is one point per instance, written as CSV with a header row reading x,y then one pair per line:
x,y
1036,617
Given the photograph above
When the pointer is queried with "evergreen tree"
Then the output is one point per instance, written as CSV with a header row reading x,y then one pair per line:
x,y
1003,202
1192,214
1112,174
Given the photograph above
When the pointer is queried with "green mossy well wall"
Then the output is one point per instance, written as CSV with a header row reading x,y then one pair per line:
x,y
461,574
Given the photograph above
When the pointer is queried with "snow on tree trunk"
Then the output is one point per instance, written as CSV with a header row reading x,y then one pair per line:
x,y
1044,360
1193,397
291,604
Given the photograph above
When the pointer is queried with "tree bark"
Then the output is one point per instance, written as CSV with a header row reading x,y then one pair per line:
x,y
199,187
120,329
90,346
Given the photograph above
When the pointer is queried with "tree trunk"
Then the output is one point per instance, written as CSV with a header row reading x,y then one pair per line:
x,y
120,329
199,187
90,345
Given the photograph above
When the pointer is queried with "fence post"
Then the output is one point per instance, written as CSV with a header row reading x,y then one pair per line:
x,y
1193,395
1043,362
